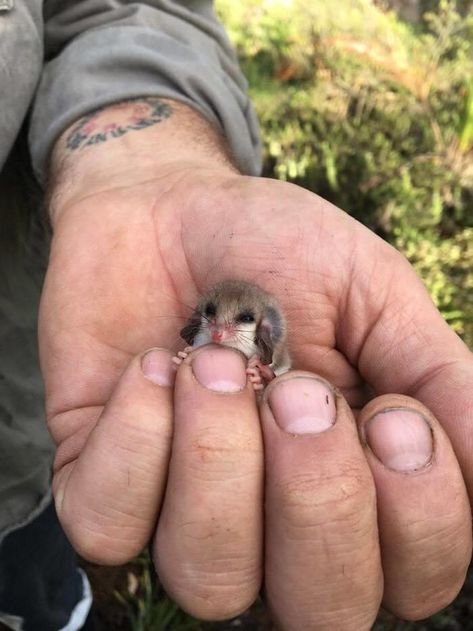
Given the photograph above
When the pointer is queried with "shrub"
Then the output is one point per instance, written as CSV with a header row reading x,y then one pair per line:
x,y
375,115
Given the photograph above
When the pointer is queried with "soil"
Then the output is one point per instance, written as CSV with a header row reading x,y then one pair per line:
x,y
111,615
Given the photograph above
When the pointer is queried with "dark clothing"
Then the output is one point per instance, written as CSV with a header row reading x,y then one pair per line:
x,y
41,588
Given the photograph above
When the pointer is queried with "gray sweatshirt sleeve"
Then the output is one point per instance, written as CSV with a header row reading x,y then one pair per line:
x,y
100,52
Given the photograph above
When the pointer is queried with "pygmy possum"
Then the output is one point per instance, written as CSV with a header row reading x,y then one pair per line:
x,y
246,317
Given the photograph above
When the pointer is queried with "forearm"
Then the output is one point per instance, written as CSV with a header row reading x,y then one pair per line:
x,y
99,52
131,143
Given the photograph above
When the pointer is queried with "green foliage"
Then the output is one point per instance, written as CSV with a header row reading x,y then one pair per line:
x,y
465,132
148,607
375,115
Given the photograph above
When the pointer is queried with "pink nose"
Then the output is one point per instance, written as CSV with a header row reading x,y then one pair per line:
x,y
216,336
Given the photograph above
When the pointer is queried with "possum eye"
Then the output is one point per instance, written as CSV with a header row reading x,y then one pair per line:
x,y
210,310
246,316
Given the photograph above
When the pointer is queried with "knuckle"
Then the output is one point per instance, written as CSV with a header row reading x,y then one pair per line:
x,y
106,539
424,605
306,499
218,453
212,573
102,548
217,596
441,564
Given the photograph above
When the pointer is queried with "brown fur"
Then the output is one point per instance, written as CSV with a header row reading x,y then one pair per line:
x,y
232,297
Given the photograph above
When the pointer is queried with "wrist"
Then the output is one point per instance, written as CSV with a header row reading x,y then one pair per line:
x,y
130,143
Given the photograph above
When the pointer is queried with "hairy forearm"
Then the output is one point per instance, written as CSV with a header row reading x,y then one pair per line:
x,y
128,143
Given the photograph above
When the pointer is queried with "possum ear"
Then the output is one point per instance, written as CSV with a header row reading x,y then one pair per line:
x,y
191,329
268,333
264,343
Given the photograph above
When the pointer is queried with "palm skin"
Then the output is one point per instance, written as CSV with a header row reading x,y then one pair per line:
x,y
145,259
149,257
127,265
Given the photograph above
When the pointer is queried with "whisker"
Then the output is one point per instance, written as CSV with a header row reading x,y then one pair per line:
x,y
171,315
243,337
173,298
202,315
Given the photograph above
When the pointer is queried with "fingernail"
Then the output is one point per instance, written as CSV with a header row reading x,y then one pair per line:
x,y
157,366
400,438
220,369
302,405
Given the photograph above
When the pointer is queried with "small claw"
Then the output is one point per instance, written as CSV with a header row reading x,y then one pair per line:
x,y
177,361
267,373
182,354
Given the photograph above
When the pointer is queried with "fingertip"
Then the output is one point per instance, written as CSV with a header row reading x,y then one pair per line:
x,y
220,369
401,438
158,367
301,403
400,432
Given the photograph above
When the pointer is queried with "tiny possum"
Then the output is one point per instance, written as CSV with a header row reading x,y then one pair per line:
x,y
243,316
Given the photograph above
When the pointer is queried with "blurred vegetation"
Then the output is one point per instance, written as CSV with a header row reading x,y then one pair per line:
x,y
375,115
148,607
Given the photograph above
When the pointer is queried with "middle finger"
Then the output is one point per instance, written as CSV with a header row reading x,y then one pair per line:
x,y
323,568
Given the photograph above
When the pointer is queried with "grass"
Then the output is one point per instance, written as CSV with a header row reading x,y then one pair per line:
x,y
130,598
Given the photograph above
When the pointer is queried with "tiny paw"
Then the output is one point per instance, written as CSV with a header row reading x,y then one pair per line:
x,y
254,375
267,373
181,355
256,367
254,362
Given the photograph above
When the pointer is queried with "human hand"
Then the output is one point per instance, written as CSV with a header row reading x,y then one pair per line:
x,y
128,258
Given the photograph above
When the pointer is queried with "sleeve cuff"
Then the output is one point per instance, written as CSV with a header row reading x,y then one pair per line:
x,y
108,65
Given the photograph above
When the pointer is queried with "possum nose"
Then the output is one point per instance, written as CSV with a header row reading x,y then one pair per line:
x,y
216,336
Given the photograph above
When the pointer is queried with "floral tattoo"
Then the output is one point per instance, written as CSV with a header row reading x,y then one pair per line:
x,y
117,120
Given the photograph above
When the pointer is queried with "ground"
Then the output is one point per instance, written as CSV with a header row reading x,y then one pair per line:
x,y
112,615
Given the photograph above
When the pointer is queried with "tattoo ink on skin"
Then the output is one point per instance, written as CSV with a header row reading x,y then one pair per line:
x,y
114,121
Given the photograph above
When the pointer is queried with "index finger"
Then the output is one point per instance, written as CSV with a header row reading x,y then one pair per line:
x,y
208,546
